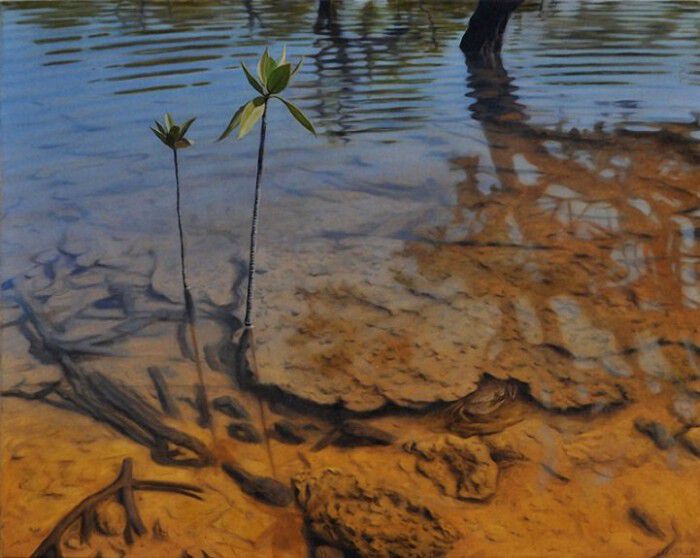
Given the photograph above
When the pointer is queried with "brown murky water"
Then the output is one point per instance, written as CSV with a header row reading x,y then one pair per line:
x,y
477,325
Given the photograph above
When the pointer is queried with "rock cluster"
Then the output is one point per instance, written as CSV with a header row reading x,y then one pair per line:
x,y
344,512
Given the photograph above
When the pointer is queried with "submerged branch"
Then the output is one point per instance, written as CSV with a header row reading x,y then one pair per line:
x,y
122,408
123,488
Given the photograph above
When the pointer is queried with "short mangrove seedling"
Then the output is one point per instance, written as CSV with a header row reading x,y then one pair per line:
x,y
174,137
273,78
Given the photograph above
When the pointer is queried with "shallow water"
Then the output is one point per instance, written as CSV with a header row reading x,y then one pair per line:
x,y
497,268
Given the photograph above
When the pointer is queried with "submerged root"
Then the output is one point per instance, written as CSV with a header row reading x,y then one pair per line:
x,y
95,395
122,488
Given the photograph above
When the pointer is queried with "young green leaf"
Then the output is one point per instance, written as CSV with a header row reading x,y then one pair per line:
x,y
265,65
174,133
159,135
297,68
233,123
279,78
186,126
250,117
283,58
252,80
298,115
183,143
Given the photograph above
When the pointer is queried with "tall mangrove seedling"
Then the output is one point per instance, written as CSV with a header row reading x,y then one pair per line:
x,y
273,77
173,136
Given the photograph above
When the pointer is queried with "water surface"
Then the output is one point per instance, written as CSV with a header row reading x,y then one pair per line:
x,y
497,267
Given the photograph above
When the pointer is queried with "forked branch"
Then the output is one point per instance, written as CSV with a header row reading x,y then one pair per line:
x,y
122,488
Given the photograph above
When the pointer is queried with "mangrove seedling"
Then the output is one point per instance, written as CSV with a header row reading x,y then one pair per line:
x,y
273,77
174,137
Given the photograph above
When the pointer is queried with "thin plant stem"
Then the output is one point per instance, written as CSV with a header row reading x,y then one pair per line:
x,y
248,322
202,400
185,287
250,296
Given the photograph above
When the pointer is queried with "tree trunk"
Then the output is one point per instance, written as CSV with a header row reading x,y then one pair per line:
x,y
482,41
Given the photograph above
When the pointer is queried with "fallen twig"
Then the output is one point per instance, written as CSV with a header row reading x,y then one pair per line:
x,y
123,488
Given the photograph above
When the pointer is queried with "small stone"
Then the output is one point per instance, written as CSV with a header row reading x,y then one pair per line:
x,y
656,431
74,246
46,256
244,432
356,433
683,408
325,551
229,406
264,489
73,542
691,440
693,387
111,519
289,432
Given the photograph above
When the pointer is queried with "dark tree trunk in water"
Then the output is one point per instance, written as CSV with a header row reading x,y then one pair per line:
x,y
482,41
327,17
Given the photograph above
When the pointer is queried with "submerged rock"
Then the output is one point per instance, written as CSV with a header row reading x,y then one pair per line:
x,y
264,489
357,433
346,513
656,431
691,440
289,433
325,551
460,468
230,407
487,410
488,398
244,432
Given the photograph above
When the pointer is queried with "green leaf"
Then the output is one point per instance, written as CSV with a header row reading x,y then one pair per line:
x,y
234,122
252,80
249,117
298,115
279,78
182,143
160,128
297,68
186,126
265,66
236,118
159,135
168,121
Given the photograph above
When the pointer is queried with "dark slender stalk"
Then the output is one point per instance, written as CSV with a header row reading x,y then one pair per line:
x,y
203,401
248,322
189,306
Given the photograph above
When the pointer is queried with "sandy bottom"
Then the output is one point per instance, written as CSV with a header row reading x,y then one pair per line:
x,y
514,374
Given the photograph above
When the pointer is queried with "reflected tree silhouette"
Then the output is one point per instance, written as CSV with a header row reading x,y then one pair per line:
x,y
604,215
